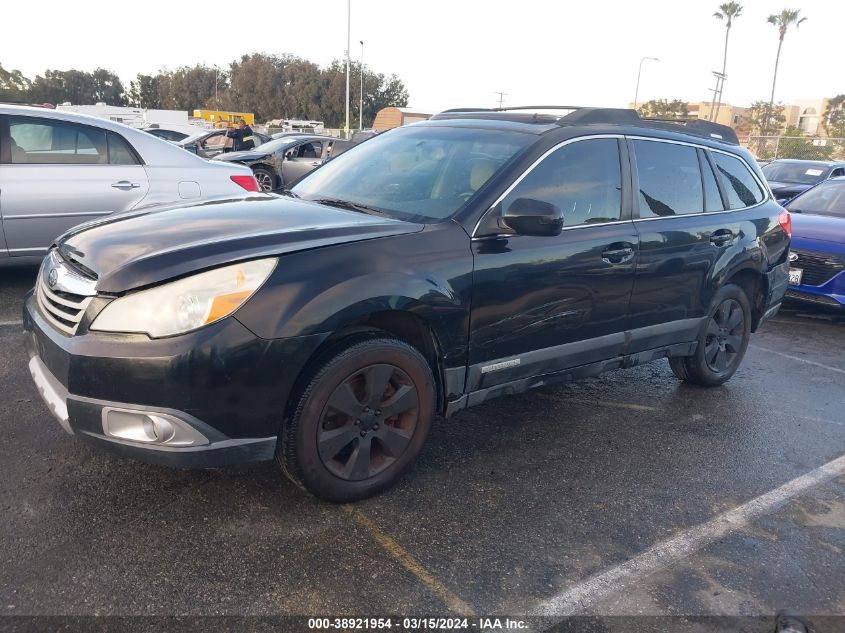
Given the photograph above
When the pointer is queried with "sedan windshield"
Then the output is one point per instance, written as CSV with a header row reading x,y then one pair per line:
x,y
826,199
797,173
421,174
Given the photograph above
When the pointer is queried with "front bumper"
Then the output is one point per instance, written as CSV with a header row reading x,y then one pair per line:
x,y
223,386
830,294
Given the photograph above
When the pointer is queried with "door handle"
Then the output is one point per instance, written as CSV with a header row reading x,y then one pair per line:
x,y
618,253
722,237
125,184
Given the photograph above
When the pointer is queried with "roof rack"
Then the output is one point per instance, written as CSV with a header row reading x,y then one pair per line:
x,y
581,115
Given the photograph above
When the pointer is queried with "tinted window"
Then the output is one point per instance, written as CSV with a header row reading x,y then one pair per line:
x,y
741,187
119,152
670,179
827,198
41,141
310,150
712,198
582,179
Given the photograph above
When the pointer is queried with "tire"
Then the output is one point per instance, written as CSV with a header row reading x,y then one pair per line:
x,y
341,443
721,343
266,179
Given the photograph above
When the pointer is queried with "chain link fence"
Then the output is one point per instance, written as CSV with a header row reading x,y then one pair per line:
x,y
805,148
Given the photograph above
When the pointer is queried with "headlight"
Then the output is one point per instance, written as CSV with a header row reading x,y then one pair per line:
x,y
187,304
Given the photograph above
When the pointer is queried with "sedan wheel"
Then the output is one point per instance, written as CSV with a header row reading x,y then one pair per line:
x,y
266,180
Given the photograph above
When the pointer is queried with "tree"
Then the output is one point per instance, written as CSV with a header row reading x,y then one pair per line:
x,y
143,92
188,87
783,21
766,118
107,87
728,12
665,109
834,116
13,85
793,144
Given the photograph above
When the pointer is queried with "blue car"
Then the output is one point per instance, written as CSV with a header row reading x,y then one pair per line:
x,y
817,253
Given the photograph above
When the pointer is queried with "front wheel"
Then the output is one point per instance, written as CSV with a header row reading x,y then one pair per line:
x,y
361,421
721,343
266,179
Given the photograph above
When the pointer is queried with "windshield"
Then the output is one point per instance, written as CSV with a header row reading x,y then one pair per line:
x,y
421,174
799,173
826,199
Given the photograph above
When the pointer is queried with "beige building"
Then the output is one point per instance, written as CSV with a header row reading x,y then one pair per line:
x,y
729,115
807,115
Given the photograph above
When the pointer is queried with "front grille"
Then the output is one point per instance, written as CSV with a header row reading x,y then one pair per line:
x,y
819,268
62,307
806,296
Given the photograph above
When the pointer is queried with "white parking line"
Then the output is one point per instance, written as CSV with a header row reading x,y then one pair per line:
x,y
11,323
580,597
621,405
799,359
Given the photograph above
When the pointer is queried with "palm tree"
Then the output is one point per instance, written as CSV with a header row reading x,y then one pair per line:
x,y
728,11
783,21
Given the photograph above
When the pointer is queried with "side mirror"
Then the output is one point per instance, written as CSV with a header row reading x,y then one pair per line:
x,y
527,216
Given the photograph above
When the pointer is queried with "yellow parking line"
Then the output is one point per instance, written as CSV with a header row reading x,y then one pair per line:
x,y
453,602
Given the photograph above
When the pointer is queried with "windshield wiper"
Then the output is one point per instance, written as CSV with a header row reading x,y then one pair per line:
x,y
352,206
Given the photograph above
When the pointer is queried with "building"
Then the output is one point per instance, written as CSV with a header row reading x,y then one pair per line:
x,y
729,115
391,117
807,116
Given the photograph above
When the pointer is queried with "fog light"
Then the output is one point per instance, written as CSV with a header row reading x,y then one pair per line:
x,y
150,428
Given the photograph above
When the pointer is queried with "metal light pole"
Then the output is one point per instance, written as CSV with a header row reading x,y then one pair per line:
x,y
639,74
348,43
361,104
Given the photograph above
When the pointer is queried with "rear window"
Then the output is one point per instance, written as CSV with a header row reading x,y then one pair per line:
x,y
803,173
670,179
47,142
741,187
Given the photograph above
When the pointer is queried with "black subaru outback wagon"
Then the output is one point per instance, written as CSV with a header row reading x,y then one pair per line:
x,y
430,269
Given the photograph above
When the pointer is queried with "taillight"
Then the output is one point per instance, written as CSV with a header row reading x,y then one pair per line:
x,y
247,182
785,221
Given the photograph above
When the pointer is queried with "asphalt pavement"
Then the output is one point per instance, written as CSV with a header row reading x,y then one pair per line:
x,y
627,494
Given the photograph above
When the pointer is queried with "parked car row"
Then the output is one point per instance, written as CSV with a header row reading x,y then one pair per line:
x,y
59,169
814,191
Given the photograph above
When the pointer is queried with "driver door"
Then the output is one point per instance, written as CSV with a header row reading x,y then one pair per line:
x,y
302,159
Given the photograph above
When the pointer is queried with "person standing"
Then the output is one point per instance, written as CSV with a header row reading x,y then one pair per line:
x,y
241,136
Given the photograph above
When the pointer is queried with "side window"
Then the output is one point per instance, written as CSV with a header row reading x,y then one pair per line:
x,y
310,150
119,152
583,179
839,171
670,179
218,141
740,185
712,197
45,142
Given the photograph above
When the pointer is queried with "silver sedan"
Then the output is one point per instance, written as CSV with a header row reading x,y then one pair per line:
x,y
59,169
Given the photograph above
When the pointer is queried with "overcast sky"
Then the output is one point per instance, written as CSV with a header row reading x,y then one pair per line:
x,y
453,53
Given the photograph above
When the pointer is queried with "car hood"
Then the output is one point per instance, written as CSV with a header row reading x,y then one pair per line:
x,y
792,188
145,247
822,228
249,154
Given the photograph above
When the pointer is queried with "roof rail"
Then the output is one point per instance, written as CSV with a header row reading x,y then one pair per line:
x,y
697,127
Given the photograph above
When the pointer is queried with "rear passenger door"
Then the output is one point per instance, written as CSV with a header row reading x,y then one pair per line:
x,y
688,234
56,174
547,303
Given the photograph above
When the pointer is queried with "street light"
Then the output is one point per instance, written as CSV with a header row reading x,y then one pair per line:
x,y
639,74
348,43
361,105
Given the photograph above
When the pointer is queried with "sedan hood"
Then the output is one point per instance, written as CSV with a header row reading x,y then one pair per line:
x,y
787,189
146,247
249,154
818,227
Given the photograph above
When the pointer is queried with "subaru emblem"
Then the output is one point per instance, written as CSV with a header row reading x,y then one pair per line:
x,y
53,278
793,257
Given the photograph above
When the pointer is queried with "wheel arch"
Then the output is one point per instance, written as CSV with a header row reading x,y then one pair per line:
x,y
753,284
276,177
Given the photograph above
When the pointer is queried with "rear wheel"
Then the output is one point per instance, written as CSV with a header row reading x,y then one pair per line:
x,y
361,421
721,343
266,179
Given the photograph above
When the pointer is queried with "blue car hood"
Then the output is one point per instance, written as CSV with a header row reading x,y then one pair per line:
x,y
818,227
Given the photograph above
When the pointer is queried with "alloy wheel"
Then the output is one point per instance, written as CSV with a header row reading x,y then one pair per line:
x,y
265,180
368,422
724,336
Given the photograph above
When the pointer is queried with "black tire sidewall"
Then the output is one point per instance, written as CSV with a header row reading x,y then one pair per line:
x,y
308,467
